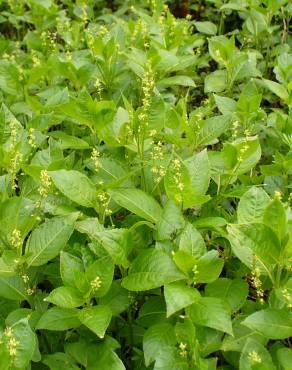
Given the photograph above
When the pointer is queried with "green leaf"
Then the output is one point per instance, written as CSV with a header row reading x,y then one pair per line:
x,y
272,323
138,202
284,356
117,298
241,334
16,213
68,141
66,297
199,168
104,269
57,318
178,296
176,80
215,81
212,128
96,318
275,218
117,244
208,268
151,269
75,186
246,153
225,105
12,287
252,205
234,292
26,343
255,356
59,361
171,221
211,312
9,78
192,242
249,240
157,339
208,28
68,264
277,89
47,240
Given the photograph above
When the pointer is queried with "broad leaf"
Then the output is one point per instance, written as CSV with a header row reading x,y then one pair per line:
x,y
252,205
255,243
178,296
138,202
47,240
272,323
76,186
96,318
211,312
57,318
151,269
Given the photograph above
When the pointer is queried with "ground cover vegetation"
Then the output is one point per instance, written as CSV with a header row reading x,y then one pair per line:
x,y
145,185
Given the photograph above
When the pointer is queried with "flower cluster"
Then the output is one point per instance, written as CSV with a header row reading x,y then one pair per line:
x,y
234,128
99,87
35,59
183,349
287,297
31,138
49,39
16,159
95,154
96,283
176,165
277,195
157,156
147,89
245,146
254,357
46,183
257,284
195,271
11,343
104,202
16,239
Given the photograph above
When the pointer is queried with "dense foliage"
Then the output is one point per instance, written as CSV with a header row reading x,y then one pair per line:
x,y
145,185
